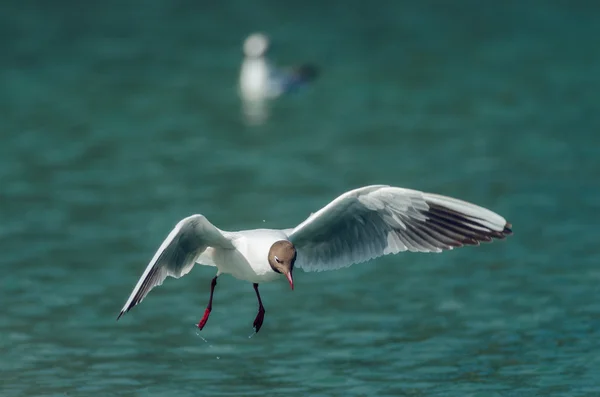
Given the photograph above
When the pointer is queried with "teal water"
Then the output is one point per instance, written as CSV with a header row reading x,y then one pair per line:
x,y
118,119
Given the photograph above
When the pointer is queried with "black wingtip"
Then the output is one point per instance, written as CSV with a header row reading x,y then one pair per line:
x,y
466,227
507,229
120,314
308,72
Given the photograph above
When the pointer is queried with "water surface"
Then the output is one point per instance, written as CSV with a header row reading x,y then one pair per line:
x,y
120,118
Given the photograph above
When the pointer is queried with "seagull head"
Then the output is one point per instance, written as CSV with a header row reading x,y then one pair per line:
x,y
282,256
256,45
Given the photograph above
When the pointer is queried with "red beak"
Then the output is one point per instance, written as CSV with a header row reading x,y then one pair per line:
x,y
290,279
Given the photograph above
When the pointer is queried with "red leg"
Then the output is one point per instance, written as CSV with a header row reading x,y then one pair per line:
x,y
261,311
202,322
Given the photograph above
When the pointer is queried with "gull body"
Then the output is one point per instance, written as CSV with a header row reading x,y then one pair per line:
x,y
254,79
359,225
248,261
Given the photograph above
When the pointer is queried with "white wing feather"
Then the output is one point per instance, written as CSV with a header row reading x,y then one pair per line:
x,y
177,254
372,221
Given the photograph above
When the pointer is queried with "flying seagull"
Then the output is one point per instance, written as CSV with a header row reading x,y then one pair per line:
x,y
359,225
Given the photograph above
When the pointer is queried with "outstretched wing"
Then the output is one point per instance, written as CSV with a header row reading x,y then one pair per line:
x,y
377,220
177,254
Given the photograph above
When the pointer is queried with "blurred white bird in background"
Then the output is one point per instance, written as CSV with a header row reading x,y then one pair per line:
x,y
260,81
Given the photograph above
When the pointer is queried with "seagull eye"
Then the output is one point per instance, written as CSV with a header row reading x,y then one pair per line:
x,y
278,260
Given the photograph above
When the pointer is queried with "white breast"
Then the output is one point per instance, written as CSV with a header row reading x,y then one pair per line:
x,y
250,260
254,79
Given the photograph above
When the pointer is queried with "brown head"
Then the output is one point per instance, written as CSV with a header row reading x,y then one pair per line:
x,y
282,256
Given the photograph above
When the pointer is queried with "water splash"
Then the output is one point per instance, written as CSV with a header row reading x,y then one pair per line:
x,y
200,335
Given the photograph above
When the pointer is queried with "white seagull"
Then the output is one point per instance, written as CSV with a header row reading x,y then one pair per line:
x,y
359,225
259,80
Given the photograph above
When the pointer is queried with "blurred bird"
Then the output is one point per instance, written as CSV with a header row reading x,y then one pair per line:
x,y
261,81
